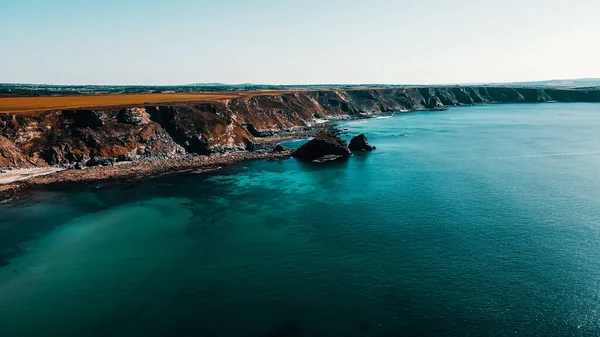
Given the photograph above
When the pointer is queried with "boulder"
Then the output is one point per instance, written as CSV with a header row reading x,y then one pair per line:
x,y
100,161
279,148
360,143
325,146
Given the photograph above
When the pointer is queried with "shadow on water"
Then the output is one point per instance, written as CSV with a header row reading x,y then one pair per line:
x,y
36,214
322,167
361,157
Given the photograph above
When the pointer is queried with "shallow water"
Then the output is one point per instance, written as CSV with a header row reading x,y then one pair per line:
x,y
482,221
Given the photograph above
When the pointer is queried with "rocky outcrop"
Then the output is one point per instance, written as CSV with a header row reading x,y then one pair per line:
x,y
279,148
360,143
135,116
259,133
68,137
325,146
11,155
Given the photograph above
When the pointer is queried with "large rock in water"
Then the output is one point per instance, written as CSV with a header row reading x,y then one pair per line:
x,y
324,147
360,143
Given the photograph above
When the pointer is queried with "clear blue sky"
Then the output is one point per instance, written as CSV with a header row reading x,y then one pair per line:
x,y
308,41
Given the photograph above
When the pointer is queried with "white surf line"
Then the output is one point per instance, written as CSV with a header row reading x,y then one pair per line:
x,y
357,122
551,155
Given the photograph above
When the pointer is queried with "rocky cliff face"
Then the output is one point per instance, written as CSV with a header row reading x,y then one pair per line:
x,y
67,137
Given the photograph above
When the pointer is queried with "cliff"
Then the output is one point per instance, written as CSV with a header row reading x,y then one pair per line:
x,y
74,137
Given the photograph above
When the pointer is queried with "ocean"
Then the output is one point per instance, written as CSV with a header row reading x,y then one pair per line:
x,y
473,221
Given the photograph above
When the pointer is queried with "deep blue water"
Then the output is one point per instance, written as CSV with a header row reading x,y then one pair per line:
x,y
482,221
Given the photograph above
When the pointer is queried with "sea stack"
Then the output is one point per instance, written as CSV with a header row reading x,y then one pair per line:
x,y
360,143
324,147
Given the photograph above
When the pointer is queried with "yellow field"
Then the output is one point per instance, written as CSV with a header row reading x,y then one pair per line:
x,y
45,103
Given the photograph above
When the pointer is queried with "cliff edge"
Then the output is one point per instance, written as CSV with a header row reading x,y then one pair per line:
x,y
92,136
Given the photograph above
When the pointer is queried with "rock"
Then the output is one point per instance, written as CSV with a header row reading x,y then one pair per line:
x,y
279,148
124,157
100,161
135,116
50,156
248,145
252,129
324,146
360,143
80,165
258,133
85,118
329,157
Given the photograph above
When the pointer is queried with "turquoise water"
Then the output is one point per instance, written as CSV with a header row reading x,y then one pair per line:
x,y
482,221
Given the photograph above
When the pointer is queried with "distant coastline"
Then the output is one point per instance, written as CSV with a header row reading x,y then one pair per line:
x,y
31,89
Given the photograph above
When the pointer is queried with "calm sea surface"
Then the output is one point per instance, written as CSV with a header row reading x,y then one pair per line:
x,y
481,221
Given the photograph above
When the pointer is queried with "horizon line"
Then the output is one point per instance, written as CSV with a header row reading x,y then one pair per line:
x,y
208,84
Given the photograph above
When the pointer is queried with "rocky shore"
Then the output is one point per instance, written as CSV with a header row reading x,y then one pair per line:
x,y
132,142
137,170
268,147
92,135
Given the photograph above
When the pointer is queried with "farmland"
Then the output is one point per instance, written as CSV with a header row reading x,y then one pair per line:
x,y
38,104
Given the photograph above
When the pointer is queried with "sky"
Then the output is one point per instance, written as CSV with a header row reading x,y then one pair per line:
x,y
297,41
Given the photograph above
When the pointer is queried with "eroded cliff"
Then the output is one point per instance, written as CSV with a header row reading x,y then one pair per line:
x,y
76,137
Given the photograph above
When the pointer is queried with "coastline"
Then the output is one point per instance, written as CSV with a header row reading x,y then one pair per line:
x,y
139,141
135,170
148,167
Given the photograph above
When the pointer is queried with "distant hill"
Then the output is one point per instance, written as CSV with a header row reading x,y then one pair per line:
x,y
215,84
567,83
